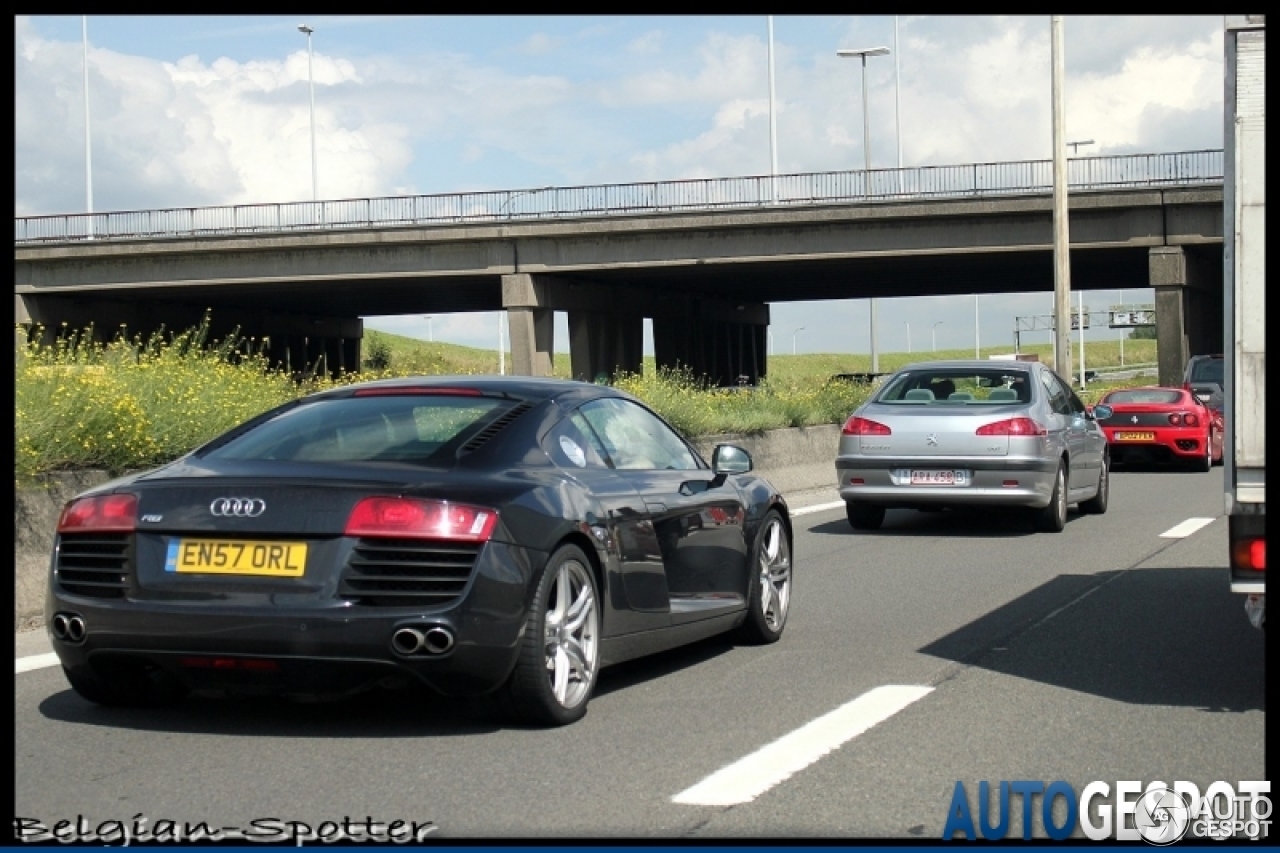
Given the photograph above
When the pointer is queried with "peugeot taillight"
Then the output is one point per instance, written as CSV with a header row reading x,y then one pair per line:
x,y
416,518
862,426
1013,426
118,513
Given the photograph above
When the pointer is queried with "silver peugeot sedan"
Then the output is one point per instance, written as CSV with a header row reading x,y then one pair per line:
x,y
944,434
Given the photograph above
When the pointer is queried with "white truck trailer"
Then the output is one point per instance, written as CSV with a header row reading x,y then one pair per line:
x,y
1244,331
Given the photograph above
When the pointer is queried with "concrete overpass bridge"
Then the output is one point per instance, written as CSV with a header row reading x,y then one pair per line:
x,y
702,258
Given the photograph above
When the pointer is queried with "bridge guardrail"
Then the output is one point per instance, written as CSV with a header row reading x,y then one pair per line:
x,y
1184,168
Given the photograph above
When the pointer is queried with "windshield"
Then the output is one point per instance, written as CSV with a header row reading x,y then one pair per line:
x,y
362,429
1208,370
953,386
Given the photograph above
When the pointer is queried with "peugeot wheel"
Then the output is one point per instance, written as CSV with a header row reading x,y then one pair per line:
x,y
770,587
560,655
1097,504
1053,518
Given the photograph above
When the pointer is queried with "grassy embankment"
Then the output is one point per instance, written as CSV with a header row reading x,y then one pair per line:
x,y
132,404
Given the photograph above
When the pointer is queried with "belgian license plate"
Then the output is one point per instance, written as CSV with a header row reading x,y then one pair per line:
x,y
1135,436
236,557
939,478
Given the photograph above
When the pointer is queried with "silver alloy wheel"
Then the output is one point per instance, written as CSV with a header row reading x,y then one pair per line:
x,y
572,647
775,575
1061,496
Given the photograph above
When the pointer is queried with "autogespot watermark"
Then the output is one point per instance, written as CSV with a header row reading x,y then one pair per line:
x,y
1157,813
268,830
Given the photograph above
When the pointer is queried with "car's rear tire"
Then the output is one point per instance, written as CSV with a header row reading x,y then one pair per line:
x,y
1053,518
126,686
1097,504
559,661
864,516
769,593
1205,463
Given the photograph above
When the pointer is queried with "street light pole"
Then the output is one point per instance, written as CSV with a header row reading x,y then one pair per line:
x,y
793,338
897,99
907,323
863,53
933,333
311,85
88,150
773,126
430,335
977,337
1061,239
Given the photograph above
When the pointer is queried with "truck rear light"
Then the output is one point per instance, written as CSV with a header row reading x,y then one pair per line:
x,y
415,518
116,513
1249,554
863,426
1013,426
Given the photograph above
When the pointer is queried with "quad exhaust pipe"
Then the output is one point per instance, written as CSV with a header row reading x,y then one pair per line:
x,y
68,627
433,640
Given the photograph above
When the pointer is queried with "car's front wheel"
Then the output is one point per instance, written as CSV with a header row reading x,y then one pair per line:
x,y
559,660
864,516
1053,518
770,588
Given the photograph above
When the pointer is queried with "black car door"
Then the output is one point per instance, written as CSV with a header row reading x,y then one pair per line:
x,y
697,517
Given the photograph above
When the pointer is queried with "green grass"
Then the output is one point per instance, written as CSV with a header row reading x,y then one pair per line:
x,y
132,404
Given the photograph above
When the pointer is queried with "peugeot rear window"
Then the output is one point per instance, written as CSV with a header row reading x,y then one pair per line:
x,y
410,428
951,386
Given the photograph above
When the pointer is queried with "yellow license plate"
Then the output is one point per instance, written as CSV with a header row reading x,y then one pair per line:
x,y
236,557
1135,436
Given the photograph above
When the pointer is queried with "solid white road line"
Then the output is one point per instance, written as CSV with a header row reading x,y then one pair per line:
x,y
1186,528
34,662
805,510
744,780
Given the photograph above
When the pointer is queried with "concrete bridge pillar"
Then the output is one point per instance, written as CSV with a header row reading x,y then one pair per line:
x,y
726,344
1188,292
531,323
605,344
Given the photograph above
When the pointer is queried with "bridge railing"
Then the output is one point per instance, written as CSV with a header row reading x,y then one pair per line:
x,y
816,188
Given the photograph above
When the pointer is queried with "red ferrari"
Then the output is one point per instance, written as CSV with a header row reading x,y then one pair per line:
x,y
1160,425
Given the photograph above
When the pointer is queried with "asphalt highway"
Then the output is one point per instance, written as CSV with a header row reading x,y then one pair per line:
x,y
944,647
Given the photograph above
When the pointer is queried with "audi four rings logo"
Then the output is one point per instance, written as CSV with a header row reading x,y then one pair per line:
x,y
238,507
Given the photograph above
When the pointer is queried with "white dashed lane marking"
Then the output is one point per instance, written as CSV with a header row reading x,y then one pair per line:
x,y
805,510
744,780
1186,528
34,662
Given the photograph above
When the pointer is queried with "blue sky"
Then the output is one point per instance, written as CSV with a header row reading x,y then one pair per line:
x,y
206,110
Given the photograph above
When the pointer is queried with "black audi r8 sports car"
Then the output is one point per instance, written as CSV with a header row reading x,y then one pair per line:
x,y
472,534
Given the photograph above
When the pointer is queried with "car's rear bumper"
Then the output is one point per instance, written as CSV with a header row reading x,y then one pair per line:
x,y
1013,482
328,648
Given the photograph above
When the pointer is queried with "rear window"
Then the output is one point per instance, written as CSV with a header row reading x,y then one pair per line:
x,y
426,428
1207,370
954,387
1144,395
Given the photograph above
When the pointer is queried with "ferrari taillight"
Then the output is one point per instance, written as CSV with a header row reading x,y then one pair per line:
x,y
1188,419
416,518
1013,426
117,513
861,426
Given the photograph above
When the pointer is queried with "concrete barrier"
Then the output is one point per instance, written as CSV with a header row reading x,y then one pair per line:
x,y
792,459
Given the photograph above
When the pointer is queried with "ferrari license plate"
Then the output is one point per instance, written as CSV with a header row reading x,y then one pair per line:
x,y
236,557
1135,436
939,478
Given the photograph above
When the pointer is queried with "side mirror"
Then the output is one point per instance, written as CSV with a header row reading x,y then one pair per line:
x,y
1102,411
730,459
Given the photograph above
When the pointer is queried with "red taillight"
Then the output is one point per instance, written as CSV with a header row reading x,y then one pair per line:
x,y
1189,419
1250,554
416,392
421,519
104,512
1175,419
861,426
1013,426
